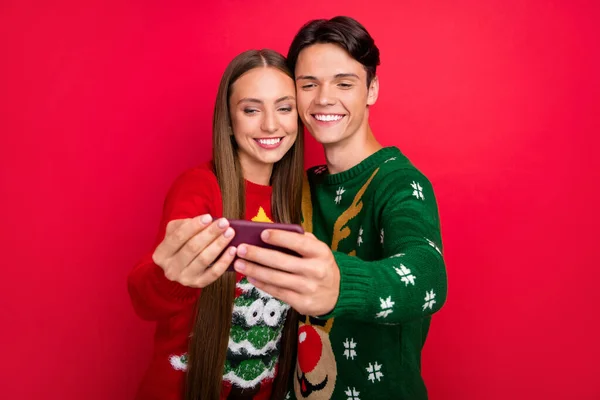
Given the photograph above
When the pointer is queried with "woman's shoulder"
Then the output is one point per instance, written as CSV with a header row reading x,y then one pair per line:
x,y
202,173
198,178
195,191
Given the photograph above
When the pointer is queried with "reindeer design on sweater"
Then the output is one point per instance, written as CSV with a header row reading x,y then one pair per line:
x,y
316,368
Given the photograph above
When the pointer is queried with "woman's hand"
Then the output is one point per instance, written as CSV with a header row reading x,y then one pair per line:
x,y
189,250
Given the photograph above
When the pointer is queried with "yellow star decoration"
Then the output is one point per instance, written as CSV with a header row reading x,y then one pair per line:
x,y
261,216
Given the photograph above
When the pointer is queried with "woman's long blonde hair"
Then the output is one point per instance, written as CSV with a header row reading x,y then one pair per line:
x,y
210,337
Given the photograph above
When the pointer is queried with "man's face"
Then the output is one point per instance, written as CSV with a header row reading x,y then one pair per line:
x,y
332,94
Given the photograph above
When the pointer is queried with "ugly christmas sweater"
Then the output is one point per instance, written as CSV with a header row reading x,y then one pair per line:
x,y
257,320
380,218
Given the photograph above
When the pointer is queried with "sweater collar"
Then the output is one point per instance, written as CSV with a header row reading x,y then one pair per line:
x,y
255,188
366,165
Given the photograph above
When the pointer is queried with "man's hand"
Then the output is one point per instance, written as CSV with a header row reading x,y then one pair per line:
x,y
191,246
310,284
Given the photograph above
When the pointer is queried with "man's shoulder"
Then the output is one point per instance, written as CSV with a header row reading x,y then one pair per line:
x,y
396,171
399,181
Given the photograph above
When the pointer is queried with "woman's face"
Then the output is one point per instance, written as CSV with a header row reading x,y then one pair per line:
x,y
262,108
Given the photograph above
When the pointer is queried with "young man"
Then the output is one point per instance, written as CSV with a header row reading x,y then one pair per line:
x,y
368,295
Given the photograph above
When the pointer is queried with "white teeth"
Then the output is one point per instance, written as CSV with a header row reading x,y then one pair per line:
x,y
328,117
269,141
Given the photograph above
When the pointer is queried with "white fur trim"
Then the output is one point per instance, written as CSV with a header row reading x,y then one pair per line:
x,y
177,364
236,380
249,347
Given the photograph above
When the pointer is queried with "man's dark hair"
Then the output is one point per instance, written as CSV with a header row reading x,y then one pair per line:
x,y
345,32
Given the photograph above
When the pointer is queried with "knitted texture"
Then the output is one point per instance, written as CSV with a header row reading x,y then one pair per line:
x,y
257,318
380,218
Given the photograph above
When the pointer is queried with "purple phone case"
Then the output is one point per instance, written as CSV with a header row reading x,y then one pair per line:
x,y
249,232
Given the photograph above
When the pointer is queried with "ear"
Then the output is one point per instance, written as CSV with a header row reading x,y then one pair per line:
x,y
373,91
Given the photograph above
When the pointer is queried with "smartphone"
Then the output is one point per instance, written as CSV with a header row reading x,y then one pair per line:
x,y
249,232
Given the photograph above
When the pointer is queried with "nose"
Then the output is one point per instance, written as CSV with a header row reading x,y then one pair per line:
x,y
324,97
310,348
269,122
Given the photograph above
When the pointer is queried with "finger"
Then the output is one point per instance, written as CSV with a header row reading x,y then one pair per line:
x,y
180,233
270,276
198,243
224,261
216,270
304,244
270,258
210,254
287,296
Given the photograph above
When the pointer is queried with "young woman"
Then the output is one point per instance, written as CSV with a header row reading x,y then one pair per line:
x,y
217,336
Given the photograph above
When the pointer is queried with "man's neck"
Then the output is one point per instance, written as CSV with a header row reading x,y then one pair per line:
x,y
348,153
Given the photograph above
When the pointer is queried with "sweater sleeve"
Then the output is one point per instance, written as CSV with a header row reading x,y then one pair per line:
x,y
409,282
153,296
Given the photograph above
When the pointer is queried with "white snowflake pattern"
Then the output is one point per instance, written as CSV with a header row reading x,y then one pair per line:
x,y
389,159
320,170
349,349
381,236
359,241
374,372
397,255
352,394
386,307
288,396
418,190
429,300
405,274
432,244
339,194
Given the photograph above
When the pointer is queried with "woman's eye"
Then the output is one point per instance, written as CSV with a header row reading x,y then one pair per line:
x,y
250,111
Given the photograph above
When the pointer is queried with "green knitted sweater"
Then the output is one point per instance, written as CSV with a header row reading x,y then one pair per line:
x,y
380,218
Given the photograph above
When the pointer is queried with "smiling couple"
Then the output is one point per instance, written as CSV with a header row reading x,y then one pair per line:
x,y
349,317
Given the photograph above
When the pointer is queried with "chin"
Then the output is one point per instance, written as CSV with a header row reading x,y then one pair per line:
x,y
328,139
272,158
324,137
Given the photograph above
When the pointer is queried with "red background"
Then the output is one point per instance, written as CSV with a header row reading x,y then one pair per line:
x,y
103,104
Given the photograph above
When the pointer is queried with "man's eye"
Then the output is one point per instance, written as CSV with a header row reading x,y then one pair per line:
x,y
308,86
345,85
286,109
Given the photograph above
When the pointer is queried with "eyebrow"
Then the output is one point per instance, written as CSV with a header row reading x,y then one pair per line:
x,y
258,101
336,76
